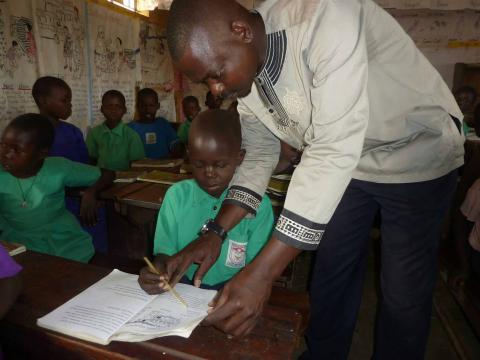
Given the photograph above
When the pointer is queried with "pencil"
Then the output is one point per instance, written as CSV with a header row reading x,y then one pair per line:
x,y
167,285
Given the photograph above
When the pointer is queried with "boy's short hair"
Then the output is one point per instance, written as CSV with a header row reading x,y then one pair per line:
x,y
39,128
114,93
146,92
220,124
44,85
190,99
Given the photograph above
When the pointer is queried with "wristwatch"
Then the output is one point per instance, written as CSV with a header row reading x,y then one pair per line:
x,y
212,226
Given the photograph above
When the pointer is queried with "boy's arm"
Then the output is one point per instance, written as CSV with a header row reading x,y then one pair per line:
x,y
165,244
176,146
88,205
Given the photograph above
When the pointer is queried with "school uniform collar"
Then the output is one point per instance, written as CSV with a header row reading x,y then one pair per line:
x,y
117,130
200,196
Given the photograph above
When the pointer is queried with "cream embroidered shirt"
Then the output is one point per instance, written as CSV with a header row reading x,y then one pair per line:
x,y
345,83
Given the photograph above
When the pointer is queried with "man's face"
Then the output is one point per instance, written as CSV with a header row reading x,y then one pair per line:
x,y
58,103
228,67
147,108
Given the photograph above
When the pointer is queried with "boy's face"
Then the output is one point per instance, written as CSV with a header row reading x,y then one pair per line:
x,y
191,109
464,100
213,102
213,164
58,103
147,108
18,155
113,108
228,69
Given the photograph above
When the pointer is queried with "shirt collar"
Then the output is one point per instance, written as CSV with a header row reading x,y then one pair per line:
x,y
275,56
117,130
201,196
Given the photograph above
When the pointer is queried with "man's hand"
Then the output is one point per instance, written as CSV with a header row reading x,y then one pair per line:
x,y
203,251
88,208
237,308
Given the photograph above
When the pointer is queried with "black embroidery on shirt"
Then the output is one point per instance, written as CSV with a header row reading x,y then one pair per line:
x,y
243,197
268,77
294,229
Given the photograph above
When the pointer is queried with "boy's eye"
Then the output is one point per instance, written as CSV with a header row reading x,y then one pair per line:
x,y
197,165
221,165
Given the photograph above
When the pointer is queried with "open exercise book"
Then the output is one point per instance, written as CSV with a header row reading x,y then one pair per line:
x,y
116,308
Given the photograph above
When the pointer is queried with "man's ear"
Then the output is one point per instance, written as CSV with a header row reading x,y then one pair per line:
x,y
241,156
242,30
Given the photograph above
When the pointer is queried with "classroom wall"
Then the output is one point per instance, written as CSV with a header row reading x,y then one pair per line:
x,y
93,47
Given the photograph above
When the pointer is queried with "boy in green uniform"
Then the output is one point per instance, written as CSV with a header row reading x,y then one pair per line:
x,y
215,152
32,195
113,145
191,108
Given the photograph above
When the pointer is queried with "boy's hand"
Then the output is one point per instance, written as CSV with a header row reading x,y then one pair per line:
x,y
153,283
88,208
203,251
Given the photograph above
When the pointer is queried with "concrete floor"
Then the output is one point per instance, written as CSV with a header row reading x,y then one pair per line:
x,y
440,346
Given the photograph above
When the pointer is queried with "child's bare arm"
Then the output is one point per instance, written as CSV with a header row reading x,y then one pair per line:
x,y
153,283
88,206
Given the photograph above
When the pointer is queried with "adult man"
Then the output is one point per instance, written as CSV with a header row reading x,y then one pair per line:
x,y
340,80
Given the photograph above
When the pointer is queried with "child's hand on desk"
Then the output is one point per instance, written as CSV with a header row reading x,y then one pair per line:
x,y
153,283
88,208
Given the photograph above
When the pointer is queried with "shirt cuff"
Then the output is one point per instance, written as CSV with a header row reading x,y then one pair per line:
x,y
294,230
243,197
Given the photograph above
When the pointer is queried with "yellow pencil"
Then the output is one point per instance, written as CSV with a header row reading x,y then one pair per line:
x,y
167,285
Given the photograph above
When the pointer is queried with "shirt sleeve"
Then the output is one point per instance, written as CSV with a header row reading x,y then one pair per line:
x,y
262,152
166,233
78,174
260,229
137,151
8,267
92,145
339,121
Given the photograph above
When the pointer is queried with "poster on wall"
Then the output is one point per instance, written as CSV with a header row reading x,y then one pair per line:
x,y
156,68
61,44
18,60
114,56
430,4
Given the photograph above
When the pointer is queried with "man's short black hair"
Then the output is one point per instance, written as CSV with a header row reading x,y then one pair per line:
x,y
114,93
146,92
190,99
39,128
44,85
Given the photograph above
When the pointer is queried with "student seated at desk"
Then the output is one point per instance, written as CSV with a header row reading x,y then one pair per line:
x,y
10,282
191,108
32,205
53,97
113,145
158,136
214,150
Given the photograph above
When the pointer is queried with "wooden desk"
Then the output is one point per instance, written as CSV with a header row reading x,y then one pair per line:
x,y
51,281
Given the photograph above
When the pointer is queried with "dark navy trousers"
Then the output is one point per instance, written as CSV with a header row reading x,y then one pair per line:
x,y
411,217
